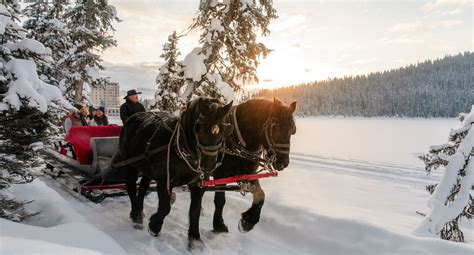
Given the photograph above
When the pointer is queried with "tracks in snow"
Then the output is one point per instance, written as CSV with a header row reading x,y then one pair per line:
x,y
363,168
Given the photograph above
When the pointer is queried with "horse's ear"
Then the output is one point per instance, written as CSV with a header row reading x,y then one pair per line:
x,y
293,107
225,110
201,106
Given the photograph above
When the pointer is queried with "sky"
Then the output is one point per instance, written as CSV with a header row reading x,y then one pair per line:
x,y
311,39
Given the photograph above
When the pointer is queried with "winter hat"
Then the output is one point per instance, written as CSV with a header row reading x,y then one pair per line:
x,y
131,93
101,108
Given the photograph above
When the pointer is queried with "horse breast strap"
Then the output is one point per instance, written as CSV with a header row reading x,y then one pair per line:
x,y
236,127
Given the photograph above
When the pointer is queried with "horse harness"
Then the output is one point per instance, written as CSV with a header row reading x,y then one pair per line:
x,y
263,158
233,144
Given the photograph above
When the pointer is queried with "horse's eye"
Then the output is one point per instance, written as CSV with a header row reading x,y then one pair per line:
x,y
215,129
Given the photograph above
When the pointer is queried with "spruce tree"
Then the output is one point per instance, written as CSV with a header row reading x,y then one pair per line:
x,y
170,79
229,52
450,199
24,104
89,24
46,24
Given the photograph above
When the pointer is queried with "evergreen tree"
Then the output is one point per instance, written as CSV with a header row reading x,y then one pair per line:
x,y
170,79
451,199
229,52
47,25
24,103
90,26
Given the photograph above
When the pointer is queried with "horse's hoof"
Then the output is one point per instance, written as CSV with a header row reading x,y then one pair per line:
x,y
137,218
138,226
153,233
245,226
220,228
196,244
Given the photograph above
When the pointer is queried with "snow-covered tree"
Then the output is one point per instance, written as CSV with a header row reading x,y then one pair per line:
x,y
90,27
46,24
229,53
170,79
24,102
450,199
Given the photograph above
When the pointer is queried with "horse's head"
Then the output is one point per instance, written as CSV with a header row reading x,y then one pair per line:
x,y
278,129
210,127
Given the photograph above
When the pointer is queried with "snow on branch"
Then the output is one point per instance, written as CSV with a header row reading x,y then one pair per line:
x,y
25,84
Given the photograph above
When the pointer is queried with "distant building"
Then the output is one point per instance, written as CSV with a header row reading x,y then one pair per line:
x,y
107,96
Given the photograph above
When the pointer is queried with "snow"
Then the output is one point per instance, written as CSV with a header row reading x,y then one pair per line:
x,y
13,245
318,205
224,88
31,45
387,140
3,10
27,85
216,25
2,28
58,226
194,67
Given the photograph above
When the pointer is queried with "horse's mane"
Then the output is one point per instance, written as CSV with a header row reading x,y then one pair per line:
x,y
260,108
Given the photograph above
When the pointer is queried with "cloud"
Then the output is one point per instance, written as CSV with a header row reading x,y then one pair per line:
x,y
364,61
433,5
403,39
454,12
450,23
133,76
405,27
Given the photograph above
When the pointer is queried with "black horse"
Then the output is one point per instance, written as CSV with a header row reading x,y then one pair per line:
x,y
173,152
260,126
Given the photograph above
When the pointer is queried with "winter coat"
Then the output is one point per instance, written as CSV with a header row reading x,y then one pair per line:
x,y
129,108
99,121
74,119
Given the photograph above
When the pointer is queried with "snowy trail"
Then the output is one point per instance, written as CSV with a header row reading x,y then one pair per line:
x,y
317,205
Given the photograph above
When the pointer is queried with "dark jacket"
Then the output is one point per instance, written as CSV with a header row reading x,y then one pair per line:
x,y
99,121
128,108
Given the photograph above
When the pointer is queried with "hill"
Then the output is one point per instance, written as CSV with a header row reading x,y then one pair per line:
x,y
439,88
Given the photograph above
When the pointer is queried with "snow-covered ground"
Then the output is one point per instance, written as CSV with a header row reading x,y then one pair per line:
x,y
352,187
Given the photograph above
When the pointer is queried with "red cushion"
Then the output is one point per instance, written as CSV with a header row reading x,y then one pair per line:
x,y
79,137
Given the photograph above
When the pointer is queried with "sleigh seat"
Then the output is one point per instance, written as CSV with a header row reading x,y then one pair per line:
x,y
94,146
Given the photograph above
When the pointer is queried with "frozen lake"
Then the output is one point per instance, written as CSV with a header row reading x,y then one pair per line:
x,y
387,140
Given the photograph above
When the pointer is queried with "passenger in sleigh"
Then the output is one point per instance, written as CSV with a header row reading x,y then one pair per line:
x,y
99,118
77,118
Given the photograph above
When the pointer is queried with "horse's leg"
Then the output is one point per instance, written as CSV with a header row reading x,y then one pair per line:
x,y
164,207
252,215
194,214
131,177
218,221
142,190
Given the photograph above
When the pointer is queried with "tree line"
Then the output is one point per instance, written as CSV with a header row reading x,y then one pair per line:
x,y
440,88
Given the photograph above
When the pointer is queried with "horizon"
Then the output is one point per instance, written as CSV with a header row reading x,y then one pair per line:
x,y
311,40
